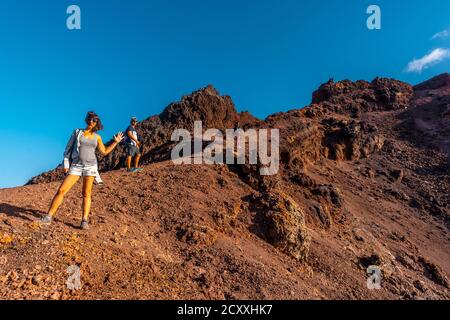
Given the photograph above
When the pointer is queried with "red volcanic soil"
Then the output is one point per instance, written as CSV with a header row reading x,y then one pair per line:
x,y
364,180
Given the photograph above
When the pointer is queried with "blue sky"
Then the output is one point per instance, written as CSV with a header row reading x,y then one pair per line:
x,y
134,57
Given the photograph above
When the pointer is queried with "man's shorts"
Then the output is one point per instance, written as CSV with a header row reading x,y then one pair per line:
x,y
83,170
133,151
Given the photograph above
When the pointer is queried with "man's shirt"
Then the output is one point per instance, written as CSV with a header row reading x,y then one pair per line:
x,y
134,134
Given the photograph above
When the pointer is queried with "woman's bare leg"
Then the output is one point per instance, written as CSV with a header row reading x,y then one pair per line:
x,y
65,187
87,191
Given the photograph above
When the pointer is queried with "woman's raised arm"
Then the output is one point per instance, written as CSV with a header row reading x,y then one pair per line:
x,y
107,150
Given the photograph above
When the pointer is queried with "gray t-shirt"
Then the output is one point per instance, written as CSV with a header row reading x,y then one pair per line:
x,y
87,155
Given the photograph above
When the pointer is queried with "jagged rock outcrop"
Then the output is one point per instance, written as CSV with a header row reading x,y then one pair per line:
x,y
330,128
438,82
206,105
282,223
350,140
354,97
427,123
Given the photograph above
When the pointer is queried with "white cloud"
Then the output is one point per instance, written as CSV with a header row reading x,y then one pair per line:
x,y
434,57
441,35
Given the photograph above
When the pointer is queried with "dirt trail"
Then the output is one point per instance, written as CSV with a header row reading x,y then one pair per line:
x,y
184,232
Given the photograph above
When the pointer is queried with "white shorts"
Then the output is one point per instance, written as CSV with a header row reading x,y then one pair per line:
x,y
83,171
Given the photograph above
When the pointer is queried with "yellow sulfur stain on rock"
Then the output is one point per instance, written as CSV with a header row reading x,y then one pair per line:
x,y
71,248
6,238
35,225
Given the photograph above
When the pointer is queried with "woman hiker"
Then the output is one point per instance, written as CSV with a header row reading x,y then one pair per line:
x,y
80,161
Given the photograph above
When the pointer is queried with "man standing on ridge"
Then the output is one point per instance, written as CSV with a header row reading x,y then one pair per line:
x,y
133,146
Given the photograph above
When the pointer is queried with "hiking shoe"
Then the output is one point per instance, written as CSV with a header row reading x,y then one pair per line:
x,y
138,169
99,183
47,219
84,225
131,170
